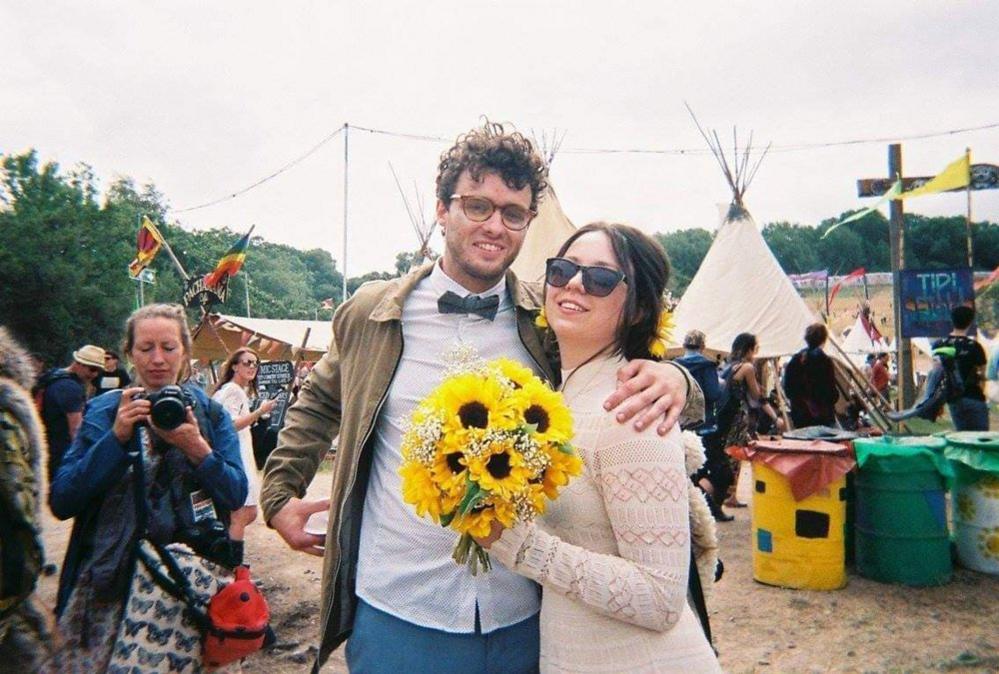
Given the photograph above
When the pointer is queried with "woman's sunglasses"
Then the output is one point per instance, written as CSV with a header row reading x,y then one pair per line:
x,y
597,281
249,363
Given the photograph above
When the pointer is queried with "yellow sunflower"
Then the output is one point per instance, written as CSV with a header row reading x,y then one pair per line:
x,y
500,470
564,464
537,405
419,490
470,403
660,341
505,512
514,371
476,523
450,472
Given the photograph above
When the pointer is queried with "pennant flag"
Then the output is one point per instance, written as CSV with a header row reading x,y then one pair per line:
x,y
856,273
872,331
327,303
984,283
148,244
820,275
955,176
892,193
230,263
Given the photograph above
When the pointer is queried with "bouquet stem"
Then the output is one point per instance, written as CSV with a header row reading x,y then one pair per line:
x,y
473,555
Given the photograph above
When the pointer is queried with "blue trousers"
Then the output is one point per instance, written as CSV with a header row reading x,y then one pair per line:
x,y
969,414
384,644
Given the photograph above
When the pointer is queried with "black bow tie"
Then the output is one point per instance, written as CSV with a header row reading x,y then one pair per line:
x,y
452,303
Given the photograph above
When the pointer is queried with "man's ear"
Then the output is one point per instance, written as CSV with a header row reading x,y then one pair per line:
x,y
442,213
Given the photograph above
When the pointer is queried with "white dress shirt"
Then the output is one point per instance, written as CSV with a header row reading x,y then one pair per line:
x,y
404,563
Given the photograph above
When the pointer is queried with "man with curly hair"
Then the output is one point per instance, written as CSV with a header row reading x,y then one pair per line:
x,y
389,581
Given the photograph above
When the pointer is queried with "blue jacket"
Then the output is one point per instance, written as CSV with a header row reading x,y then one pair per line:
x,y
705,371
96,461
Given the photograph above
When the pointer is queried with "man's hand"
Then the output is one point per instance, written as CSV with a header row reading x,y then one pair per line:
x,y
290,523
650,390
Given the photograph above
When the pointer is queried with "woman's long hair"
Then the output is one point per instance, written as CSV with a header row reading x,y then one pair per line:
x,y
742,345
229,369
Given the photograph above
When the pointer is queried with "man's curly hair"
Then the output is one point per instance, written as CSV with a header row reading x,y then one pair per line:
x,y
493,149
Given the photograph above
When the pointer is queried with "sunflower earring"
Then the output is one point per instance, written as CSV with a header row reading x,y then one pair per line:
x,y
541,320
660,341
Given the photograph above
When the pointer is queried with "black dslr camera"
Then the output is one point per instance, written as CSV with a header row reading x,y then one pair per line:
x,y
169,406
210,539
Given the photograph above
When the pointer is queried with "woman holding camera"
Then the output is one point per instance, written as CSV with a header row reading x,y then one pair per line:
x,y
191,476
239,375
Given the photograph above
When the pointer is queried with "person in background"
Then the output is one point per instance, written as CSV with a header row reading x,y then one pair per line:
x,y
237,379
715,476
810,382
880,378
114,375
60,394
968,412
195,463
25,635
738,417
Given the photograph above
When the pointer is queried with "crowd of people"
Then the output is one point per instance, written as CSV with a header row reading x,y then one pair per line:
x,y
605,581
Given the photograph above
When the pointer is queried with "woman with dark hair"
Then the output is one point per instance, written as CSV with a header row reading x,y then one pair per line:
x,y
743,401
613,552
810,382
126,478
238,378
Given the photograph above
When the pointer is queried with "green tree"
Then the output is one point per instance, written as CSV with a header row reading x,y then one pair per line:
x,y
686,249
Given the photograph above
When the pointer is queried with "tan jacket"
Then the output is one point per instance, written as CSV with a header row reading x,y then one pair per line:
x,y
343,395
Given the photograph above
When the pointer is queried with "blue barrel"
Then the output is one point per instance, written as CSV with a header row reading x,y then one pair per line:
x,y
901,528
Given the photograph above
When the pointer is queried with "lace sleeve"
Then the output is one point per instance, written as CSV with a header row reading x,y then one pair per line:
x,y
644,489
231,398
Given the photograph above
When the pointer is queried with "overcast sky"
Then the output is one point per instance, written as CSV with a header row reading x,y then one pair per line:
x,y
204,99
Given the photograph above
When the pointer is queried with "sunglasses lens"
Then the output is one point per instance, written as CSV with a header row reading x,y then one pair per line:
x,y
476,208
599,281
559,271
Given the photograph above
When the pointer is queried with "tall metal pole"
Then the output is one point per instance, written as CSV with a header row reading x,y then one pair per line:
x,y
896,235
971,253
346,130
246,287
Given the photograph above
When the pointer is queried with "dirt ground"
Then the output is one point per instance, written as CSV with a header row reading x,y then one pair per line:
x,y
865,627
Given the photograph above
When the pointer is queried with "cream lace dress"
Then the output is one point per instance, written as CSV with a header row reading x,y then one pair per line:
x,y
613,552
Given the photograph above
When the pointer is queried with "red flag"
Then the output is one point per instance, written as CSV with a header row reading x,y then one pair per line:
x,y
872,332
856,273
987,281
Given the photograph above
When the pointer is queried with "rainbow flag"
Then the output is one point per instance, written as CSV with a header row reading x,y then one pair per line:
x,y
148,243
230,263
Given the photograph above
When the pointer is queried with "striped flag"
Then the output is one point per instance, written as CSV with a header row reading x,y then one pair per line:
x,y
231,262
148,243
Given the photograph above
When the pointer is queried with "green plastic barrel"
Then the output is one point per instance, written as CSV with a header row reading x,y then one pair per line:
x,y
901,527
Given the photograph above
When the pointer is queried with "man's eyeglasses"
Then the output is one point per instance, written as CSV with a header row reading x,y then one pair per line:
x,y
94,370
249,363
480,209
597,281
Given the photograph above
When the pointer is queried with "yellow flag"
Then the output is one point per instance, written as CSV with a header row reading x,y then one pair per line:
x,y
956,175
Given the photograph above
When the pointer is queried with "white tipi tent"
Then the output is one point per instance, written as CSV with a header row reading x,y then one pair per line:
x,y
549,229
740,286
858,343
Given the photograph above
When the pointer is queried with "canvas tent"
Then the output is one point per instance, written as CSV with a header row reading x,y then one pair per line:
x,y
857,344
549,229
740,286
218,335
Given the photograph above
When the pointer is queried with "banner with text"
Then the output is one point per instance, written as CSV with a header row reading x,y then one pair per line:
x,y
928,295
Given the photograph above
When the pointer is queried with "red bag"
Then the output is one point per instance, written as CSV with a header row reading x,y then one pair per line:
x,y
239,617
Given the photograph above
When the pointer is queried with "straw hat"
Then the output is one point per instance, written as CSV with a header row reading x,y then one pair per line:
x,y
90,355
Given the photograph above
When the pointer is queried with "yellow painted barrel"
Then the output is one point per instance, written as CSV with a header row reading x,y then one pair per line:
x,y
976,522
798,544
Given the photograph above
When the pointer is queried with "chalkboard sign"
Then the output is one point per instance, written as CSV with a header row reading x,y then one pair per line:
x,y
928,295
273,380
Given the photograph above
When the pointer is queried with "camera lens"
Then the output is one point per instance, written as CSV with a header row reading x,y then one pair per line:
x,y
168,413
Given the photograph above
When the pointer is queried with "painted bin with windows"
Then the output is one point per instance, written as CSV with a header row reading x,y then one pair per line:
x,y
974,458
799,512
901,530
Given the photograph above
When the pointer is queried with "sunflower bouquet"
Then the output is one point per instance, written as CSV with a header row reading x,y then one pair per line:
x,y
490,443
